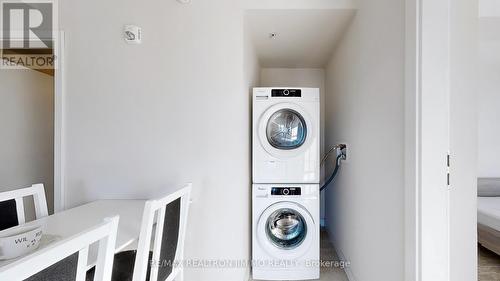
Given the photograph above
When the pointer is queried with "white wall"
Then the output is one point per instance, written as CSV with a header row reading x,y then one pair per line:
x,y
144,119
488,130
300,4
300,77
251,64
489,98
488,8
27,130
365,109
251,76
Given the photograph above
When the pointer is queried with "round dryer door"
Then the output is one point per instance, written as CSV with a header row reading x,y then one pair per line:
x,y
286,129
286,230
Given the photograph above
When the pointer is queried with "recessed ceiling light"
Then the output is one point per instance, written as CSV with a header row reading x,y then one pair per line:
x,y
273,35
184,1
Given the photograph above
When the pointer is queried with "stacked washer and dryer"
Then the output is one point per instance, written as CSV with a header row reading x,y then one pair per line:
x,y
286,177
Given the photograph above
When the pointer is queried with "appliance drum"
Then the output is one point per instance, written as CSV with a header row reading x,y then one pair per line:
x,y
286,228
286,129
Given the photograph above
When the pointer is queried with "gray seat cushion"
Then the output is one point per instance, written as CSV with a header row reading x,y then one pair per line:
x,y
123,267
488,187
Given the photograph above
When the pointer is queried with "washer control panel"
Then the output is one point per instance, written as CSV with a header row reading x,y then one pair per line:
x,y
286,191
283,93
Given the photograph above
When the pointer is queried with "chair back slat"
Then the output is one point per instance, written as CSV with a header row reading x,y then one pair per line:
x,y
105,256
81,273
21,216
40,201
171,215
142,256
158,239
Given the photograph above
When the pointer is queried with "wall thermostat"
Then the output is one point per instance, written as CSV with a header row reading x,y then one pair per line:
x,y
132,34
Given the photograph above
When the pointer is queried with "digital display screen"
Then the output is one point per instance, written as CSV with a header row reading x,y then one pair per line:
x,y
284,93
285,191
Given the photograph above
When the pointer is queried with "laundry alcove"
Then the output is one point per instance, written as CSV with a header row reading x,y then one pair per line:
x,y
355,56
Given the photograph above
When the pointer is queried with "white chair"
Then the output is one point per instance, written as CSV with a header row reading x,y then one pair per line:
x,y
12,205
66,260
159,265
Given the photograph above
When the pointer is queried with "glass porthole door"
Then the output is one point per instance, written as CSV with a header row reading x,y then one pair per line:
x,y
286,228
286,129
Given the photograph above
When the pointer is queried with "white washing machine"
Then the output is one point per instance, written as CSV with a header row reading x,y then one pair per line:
x,y
286,127
285,226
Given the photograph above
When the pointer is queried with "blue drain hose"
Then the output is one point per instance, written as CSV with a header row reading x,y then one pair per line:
x,y
335,171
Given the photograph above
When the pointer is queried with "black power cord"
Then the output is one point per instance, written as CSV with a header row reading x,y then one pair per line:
x,y
335,171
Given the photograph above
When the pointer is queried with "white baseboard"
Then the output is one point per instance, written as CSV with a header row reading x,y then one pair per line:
x,y
248,275
347,270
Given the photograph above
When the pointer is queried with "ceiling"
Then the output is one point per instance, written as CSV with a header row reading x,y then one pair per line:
x,y
303,4
305,38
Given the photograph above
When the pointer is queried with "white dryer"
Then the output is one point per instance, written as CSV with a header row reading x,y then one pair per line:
x,y
286,133
285,227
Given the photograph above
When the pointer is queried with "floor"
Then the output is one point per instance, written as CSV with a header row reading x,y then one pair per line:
x,y
328,254
489,265
488,269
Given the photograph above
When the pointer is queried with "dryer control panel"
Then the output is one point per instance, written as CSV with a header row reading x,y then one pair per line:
x,y
285,191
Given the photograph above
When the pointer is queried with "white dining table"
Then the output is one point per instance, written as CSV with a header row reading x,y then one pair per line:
x,y
72,221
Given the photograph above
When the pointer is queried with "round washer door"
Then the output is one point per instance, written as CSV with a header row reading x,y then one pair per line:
x,y
285,130
286,230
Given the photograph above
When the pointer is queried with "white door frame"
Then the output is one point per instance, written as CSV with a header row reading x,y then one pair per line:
x,y
439,53
412,84
427,140
59,89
